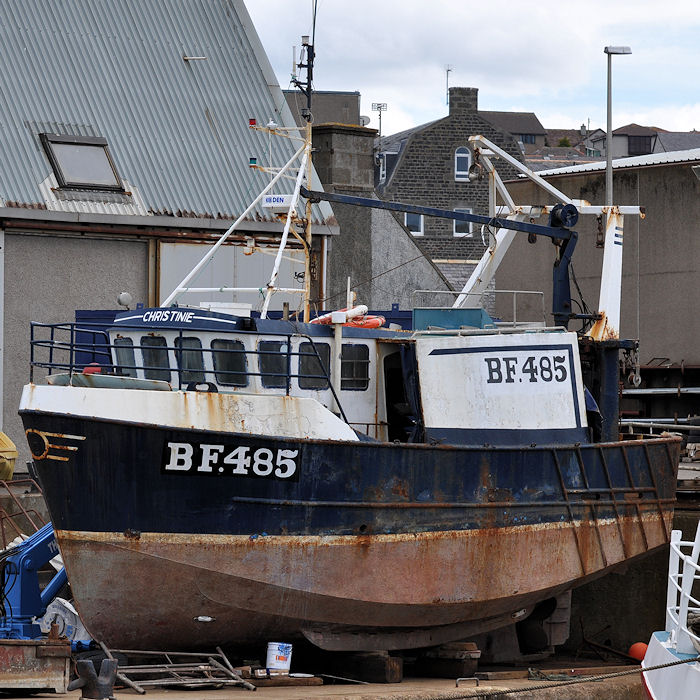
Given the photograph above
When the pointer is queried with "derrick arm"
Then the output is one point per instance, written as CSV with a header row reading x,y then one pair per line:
x,y
561,218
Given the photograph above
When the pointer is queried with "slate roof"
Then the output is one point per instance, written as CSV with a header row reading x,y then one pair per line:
x,y
677,140
546,157
637,130
515,122
556,135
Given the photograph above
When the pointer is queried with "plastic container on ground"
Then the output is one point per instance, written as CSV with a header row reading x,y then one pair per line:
x,y
279,656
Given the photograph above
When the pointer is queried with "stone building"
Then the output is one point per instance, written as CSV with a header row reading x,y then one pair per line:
x,y
429,166
383,260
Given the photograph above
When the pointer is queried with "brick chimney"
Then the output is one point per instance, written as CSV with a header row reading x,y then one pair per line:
x,y
463,99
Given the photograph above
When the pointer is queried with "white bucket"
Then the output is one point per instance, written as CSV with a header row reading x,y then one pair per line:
x,y
279,656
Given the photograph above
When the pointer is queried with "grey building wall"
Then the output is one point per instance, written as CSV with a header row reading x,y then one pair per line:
x,y
661,258
380,256
425,175
46,279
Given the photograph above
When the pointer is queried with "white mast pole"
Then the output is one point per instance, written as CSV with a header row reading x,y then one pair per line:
x,y
182,287
283,242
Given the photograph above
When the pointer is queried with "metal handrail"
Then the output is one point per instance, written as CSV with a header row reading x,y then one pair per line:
x,y
103,351
683,571
514,292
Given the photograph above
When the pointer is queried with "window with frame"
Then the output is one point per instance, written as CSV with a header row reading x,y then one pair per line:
x,y
312,373
528,138
272,358
639,145
156,365
230,365
414,223
82,162
462,229
188,353
124,357
354,367
463,161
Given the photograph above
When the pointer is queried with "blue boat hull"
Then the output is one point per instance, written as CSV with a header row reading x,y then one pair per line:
x,y
166,545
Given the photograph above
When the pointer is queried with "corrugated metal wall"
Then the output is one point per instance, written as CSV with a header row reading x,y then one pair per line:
x,y
178,130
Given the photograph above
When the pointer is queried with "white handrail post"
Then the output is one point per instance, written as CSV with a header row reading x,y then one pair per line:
x,y
285,233
684,644
672,584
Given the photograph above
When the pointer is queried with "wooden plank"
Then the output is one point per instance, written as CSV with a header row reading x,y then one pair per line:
x,y
284,681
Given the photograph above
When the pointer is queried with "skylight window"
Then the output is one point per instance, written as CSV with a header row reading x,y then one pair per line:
x,y
81,162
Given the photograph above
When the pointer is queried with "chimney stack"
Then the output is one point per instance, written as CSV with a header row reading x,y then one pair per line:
x,y
463,100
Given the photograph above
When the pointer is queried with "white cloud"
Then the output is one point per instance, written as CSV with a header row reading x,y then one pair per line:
x,y
545,57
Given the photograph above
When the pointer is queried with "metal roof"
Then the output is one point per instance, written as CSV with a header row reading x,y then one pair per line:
x,y
177,129
689,155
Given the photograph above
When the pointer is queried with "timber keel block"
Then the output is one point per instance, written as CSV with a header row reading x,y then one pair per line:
x,y
455,660
371,667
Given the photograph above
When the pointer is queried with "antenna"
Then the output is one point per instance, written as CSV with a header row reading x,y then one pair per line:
x,y
379,107
307,52
448,70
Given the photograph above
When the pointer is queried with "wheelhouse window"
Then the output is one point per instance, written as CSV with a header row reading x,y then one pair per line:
x,y
463,228
124,357
414,223
156,365
312,373
272,356
188,352
230,363
81,162
463,160
354,367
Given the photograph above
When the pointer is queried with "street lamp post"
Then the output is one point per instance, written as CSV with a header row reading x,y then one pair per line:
x,y
611,51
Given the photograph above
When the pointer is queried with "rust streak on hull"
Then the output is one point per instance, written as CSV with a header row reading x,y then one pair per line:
x,y
285,585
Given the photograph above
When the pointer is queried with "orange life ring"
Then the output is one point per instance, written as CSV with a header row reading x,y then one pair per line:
x,y
366,321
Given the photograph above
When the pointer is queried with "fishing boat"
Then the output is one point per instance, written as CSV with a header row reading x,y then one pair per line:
x,y
676,649
216,478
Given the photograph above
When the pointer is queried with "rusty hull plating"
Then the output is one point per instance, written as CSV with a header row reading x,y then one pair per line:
x,y
428,545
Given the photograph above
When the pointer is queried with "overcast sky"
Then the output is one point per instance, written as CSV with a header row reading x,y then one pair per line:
x,y
543,56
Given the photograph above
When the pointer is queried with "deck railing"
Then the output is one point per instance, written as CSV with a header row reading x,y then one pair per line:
x,y
683,571
72,348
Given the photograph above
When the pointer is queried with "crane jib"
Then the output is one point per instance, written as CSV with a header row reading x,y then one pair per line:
x,y
497,222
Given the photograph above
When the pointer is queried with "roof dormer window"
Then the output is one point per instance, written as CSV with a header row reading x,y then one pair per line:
x,y
81,162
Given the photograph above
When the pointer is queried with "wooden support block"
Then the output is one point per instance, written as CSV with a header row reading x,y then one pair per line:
x,y
371,667
445,668
285,681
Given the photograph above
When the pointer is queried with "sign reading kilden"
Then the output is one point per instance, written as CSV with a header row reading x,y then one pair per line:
x,y
230,460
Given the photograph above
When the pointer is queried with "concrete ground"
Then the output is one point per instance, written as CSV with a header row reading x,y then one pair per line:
x,y
622,688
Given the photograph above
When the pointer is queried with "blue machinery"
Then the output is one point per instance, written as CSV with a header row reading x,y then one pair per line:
x,y
21,597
